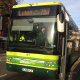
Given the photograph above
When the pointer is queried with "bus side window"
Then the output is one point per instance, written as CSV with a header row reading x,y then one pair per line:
x,y
60,44
69,40
69,46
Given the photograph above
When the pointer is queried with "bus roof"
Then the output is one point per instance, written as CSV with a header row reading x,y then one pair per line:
x,y
37,4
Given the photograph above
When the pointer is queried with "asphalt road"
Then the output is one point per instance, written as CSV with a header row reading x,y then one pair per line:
x,y
7,75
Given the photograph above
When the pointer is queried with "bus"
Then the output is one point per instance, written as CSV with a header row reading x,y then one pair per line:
x,y
39,38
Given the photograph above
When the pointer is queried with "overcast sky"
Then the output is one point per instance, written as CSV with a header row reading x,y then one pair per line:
x,y
72,6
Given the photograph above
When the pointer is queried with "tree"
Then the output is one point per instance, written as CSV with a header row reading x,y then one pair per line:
x,y
6,6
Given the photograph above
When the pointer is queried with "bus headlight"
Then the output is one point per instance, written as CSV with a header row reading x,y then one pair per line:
x,y
46,64
52,65
49,65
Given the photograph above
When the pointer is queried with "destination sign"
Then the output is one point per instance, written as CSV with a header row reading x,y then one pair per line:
x,y
37,11
34,12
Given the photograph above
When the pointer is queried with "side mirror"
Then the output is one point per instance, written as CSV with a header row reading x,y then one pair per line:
x,y
61,17
60,22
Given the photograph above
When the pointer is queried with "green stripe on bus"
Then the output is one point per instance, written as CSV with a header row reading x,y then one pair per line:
x,y
32,66
33,63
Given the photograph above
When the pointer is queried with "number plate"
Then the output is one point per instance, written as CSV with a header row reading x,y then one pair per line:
x,y
27,70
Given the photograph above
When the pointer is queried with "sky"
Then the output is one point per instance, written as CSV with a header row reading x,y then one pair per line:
x,y
72,6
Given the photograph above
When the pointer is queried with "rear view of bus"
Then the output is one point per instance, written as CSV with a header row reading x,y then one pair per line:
x,y
33,43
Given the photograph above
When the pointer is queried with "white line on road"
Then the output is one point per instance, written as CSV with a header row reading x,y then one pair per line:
x,y
3,75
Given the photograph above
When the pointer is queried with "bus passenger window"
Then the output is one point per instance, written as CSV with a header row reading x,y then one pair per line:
x,y
69,45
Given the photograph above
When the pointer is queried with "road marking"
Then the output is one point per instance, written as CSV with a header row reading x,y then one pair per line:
x,y
3,75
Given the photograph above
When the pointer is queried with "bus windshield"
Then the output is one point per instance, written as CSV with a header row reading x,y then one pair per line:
x,y
34,31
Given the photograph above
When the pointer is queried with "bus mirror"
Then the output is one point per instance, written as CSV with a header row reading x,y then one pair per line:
x,y
60,22
61,17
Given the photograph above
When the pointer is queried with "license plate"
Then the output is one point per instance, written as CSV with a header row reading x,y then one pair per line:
x,y
27,70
